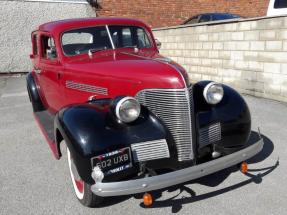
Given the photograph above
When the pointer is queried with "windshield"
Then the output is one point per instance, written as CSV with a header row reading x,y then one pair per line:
x,y
80,41
85,40
129,36
224,16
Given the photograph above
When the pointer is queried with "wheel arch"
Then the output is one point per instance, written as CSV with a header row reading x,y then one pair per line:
x,y
58,140
89,131
33,93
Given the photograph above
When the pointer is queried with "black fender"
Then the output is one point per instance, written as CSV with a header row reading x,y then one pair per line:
x,y
91,129
232,113
34,97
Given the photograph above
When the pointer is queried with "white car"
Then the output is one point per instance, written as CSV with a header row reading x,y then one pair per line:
x,y
277,7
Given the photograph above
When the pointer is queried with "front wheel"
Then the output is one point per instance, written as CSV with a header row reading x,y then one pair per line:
x,y
82,189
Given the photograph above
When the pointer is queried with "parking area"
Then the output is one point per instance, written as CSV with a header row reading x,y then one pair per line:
x,y
33,182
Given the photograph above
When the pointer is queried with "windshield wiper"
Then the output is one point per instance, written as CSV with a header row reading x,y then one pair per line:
x,y
135,46
91,51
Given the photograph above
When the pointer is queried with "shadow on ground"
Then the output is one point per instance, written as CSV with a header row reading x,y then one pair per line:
x,y
212,180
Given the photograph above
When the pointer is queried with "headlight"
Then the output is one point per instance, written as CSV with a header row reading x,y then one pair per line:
x,y
127,109
213,93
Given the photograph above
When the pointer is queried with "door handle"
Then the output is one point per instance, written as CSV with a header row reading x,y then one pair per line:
x,y
59,76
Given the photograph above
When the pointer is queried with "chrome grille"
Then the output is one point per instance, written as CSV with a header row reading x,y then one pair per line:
x,y
150,150
209,134
174,107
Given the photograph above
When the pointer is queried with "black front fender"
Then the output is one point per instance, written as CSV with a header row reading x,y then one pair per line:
x,y
232,113
90,130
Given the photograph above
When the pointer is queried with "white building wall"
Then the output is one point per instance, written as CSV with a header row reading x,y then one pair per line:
x,y
250,55
20,17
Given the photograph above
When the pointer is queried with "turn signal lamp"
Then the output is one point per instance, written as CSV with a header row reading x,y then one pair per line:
x,y
244,167
147,199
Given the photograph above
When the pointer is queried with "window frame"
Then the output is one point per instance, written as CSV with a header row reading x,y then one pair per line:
x,y
35,45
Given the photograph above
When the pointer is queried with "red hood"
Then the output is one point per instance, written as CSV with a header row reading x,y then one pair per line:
x,y
127,73
146,68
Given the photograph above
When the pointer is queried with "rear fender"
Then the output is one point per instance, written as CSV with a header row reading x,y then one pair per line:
x,y
32,89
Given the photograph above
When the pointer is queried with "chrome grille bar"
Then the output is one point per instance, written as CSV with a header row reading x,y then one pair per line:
x,y
150,150
209,134
174,107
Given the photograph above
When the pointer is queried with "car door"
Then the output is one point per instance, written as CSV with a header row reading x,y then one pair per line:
x,y
85,79
48,73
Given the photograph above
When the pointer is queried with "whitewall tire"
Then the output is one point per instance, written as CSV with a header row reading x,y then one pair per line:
x,y
82,190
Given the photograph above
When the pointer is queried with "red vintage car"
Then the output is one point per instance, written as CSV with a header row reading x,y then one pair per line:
x,y
130,118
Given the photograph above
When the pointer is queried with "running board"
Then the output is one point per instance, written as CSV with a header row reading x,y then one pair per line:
x,y
45,121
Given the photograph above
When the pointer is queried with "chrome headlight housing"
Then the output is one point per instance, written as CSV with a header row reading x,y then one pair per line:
x,y
213,93
127,109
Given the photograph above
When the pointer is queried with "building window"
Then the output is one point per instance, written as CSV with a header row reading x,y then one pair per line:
x,y
280,4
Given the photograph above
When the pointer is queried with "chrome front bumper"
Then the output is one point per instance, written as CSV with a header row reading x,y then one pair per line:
x,y
176,177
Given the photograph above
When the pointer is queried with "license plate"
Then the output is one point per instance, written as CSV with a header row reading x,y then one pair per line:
x,y
113,162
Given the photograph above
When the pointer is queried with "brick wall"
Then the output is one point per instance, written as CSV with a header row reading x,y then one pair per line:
x,y
250,55
159,13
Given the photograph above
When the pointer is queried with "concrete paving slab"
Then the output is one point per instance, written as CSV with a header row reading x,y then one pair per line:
x,y
33,182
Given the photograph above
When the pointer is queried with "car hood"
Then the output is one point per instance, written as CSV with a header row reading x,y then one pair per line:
x,y
145,69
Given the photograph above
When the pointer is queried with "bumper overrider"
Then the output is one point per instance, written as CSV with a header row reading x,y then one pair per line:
x,y
176,177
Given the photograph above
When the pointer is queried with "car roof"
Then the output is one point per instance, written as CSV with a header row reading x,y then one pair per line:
x,y
67,24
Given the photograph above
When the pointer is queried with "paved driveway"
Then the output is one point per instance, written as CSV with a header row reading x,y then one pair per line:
x,y
33,182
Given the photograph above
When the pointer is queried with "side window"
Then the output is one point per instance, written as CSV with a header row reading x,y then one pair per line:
x,y
35,45
48,48
143,41
204,18
280,4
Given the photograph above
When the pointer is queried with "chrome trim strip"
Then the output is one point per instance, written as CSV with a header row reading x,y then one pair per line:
x,y
86,88
150,150
110,37
176,177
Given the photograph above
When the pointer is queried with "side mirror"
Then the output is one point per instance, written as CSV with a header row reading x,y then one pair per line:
x,y
32,56
158,43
